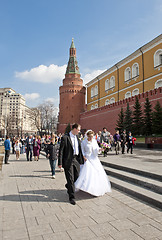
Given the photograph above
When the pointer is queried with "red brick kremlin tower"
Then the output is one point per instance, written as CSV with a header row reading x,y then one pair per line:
x,y
72,94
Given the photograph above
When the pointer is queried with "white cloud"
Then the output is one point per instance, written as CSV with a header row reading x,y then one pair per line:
x,y
43,74
31,96
89,76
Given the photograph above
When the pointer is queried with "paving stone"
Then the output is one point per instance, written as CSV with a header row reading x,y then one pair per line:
x,y
123,224
126,235
37,238
57,236
103,229
62,226
15,234
140,219
83,222
81,234
147,231
47,219
102,217
39,230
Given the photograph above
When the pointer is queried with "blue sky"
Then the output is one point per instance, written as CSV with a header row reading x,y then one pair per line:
x,y
35,36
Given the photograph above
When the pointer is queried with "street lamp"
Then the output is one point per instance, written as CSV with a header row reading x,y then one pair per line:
x,y
5,128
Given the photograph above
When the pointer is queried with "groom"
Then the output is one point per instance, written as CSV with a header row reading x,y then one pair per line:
x,y
70,157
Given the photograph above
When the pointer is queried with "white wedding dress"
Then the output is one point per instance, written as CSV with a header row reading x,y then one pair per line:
x,y
92,178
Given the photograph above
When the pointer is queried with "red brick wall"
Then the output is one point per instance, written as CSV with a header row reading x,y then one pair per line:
x,y
107,116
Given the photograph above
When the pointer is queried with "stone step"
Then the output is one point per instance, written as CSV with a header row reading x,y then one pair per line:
x,y
133,170
137,192
148,183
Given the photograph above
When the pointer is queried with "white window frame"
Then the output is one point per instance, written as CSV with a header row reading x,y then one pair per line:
x,y
135,92
92,92
158,83
96,105
157,58
112,100
127,74
92,107
128,93
135,70
107,102
96,90
106,84
112,82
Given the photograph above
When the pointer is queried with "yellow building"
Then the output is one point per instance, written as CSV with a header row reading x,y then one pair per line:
x,y
139,72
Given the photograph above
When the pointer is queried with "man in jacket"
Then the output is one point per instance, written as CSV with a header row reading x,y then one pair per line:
x,y
123,141
52,153
70,157
29,147
7,145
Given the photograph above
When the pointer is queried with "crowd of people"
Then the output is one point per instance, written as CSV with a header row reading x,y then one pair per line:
x,y
77,156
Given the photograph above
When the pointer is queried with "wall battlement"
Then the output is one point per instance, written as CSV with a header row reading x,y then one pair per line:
x,y
106,116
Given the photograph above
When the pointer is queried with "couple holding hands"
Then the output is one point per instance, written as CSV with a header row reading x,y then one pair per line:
x,y
91,177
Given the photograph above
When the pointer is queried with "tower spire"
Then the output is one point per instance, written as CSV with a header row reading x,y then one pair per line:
x,y
72,63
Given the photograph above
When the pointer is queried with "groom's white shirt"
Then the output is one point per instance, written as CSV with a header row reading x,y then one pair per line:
x,y
74,143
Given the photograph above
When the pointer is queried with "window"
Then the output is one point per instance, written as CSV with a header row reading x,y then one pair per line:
x,y
127,73
112,100
96,90
135,92
158,58
96,105
106,84
158,83
112,82
107,102
92,107
92,92
128,94
135,70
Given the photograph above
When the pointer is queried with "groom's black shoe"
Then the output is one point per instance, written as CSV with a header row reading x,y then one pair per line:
x,y
66,185
72,201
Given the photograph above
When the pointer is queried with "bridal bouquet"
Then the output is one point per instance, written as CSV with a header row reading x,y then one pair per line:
x,y
105,146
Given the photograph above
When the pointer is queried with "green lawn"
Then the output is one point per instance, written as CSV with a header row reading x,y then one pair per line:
x,y
141,139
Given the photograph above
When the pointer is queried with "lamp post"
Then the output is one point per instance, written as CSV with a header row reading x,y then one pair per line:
x,y
5,128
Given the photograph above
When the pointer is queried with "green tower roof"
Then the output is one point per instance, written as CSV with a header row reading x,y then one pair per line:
x,y
72,43
72,63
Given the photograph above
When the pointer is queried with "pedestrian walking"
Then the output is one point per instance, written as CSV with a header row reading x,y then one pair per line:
x,y
117,141
13,145
29,147
123,140
52,151
36,148
18,146
70,157
7,145
130,140
105,136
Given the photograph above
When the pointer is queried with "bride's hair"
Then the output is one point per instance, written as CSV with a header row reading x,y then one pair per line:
x,y
90,132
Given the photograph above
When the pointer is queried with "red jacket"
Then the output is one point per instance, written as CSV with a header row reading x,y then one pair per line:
x,y
133,140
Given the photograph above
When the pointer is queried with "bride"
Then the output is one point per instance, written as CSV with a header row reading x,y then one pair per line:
x,y
92,178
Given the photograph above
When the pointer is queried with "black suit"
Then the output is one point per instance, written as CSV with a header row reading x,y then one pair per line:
x,y
29,148
70,162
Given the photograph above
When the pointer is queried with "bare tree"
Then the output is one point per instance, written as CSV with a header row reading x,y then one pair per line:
x,y
48,116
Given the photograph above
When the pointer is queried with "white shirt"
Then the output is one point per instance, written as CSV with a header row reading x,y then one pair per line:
x,y
74,143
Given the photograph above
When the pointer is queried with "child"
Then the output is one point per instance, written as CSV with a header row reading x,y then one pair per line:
x,y
18,146
52,153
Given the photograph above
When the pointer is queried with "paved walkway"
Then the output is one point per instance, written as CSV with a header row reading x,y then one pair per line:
x,y
35,207
144,160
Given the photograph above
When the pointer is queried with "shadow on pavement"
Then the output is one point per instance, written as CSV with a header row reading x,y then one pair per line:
x,y
31,176
48,195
